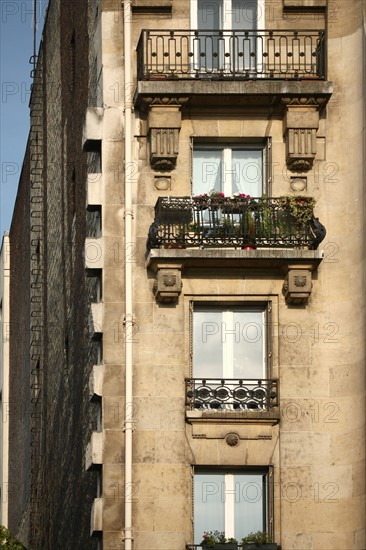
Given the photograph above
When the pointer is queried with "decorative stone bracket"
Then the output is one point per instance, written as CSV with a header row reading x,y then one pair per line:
x,y
168,283
163,125
297,265
300,127
298,284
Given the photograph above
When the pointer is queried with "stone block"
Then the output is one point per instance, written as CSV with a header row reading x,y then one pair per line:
x,y
94,451
96,516
96,382
93,127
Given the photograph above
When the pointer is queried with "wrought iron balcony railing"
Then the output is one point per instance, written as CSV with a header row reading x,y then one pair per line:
x,y
231,54
282,222
231,394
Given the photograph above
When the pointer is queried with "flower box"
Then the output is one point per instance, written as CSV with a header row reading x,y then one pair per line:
x,y
263,546
222,546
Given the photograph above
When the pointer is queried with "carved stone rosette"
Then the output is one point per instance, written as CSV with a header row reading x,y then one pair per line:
x,y
168,285
298,284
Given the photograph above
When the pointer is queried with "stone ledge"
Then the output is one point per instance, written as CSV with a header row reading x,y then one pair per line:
x,y
148,6
247,92
228,258
302,5
234,417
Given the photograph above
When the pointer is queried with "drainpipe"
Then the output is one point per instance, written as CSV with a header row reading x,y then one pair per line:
x,y
128,321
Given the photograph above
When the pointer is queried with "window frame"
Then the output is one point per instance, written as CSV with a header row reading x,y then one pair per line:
x,y
266,471
268,336
246,143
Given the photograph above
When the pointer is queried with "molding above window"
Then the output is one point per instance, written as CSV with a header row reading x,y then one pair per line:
x,y
152,6
302,5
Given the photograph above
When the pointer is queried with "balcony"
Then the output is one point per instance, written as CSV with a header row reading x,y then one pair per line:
x,y
280,234
231,54
236,222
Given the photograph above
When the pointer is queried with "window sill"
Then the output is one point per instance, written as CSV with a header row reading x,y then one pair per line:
x,y
271,417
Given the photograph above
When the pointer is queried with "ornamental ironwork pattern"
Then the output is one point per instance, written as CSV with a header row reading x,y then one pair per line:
x,y
231,394
248,223
231,54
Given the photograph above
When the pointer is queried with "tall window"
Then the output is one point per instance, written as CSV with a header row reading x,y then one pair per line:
x,y
230,342
230,51
230,168
231,500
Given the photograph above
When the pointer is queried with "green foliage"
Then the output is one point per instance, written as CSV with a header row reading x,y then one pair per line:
x,y
7,540
300,207
260,537
210,538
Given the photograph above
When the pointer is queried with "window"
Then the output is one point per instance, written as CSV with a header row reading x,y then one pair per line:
x,y
231,168
232,51
230,358
229,341
235,501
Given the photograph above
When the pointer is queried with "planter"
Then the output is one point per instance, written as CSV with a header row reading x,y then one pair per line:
x,y
265,546
222,546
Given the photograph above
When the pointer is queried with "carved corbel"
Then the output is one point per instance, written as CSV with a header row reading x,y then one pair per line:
x,y
163,125
168,284
300,127
298,284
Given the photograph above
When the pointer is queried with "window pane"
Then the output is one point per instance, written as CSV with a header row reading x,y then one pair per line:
x,y
247,167
249,505
206,170
244,14
248,355
209,512
209,14
207,344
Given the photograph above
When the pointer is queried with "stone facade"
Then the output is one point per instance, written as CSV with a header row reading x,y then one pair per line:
x,y
306,439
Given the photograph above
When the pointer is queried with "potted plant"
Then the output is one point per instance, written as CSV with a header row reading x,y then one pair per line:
x,y
258,541
237,204
201,201
218,541
217,198
300,208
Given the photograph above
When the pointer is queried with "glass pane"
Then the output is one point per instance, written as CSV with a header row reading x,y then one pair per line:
x,y
244,14
206,170
209,14
209,504
249,504
248,354
207,344
247,166
209,18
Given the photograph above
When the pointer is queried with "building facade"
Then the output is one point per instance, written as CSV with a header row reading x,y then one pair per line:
x,y
193,353
4,374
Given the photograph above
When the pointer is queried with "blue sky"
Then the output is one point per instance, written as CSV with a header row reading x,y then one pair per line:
x,y
16,48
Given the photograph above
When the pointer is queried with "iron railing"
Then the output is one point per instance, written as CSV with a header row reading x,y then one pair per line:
x,y
231,54
231,394
282,222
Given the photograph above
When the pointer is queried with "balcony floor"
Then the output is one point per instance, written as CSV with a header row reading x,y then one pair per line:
x,y
241,94
223,257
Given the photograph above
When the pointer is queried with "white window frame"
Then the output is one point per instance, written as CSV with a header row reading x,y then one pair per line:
x,y
230,496
227,146
228,358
